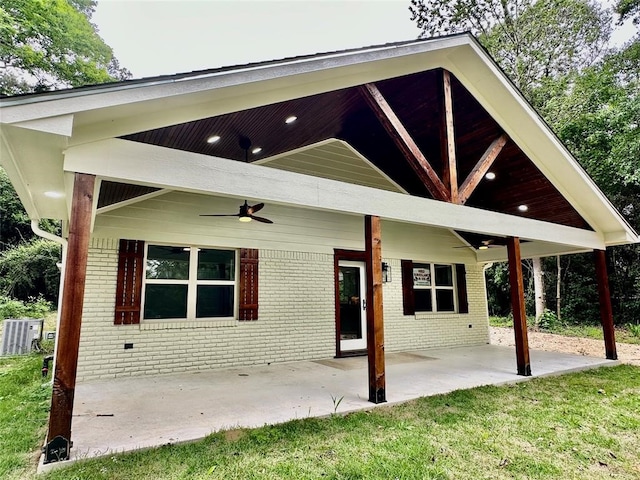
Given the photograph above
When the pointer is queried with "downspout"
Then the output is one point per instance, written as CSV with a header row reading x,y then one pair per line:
x,y
35,226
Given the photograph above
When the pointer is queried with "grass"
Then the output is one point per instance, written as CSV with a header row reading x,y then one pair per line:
x,y
583,425
623,333
24,406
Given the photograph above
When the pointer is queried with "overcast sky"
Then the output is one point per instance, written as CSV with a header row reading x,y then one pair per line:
x,y
157,37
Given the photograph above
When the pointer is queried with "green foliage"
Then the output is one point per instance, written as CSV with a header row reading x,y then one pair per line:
x,y
628,9
547,321
34,308
52,43
30,269
532,41
634,329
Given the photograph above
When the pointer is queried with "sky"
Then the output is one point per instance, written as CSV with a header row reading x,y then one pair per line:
x,y
163,37
154,37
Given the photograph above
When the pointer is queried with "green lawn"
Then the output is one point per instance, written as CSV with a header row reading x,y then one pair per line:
x,y
24,407
582,425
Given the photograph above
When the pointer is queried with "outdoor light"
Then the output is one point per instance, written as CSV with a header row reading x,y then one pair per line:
x,y
291,119
386,272
53,194
483,247
256,150
523,208
490,176
213,139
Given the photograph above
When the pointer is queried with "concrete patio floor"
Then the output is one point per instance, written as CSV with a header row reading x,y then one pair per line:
x,y
137,412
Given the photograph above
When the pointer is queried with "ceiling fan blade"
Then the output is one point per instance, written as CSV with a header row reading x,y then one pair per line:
x,y
261,219
221,215
255,208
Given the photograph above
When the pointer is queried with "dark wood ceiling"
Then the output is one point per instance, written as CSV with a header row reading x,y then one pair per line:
x,y
418,102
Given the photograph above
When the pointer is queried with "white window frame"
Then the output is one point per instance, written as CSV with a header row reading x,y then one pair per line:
x,y
433,287
192,283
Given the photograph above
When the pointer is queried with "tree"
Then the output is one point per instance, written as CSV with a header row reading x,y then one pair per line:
x,y
52,43
628,9
533,42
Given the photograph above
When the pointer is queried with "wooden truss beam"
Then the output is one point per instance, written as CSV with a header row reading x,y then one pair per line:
x,y
450,174
64,380
375,322
405,142
481,168
517,306
606,313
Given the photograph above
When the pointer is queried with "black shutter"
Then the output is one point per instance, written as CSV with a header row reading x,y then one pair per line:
x,y
408,301
461,284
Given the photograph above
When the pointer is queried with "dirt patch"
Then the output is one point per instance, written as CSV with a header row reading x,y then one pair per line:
x,y
233,435
627,353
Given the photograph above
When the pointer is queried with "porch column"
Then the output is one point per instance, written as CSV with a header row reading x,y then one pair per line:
x,y
517,306
606,313
375,323
68,335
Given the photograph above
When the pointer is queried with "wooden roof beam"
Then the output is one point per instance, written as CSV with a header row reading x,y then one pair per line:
x,y
450,174
481,168
404,142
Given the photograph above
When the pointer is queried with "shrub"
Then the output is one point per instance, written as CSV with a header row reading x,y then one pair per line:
x,y
34,308
29,270
634,329
548,321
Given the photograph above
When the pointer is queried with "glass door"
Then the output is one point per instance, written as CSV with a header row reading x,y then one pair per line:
x,y
353,305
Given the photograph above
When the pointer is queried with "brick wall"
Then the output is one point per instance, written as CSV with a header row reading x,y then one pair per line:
x,y
296,321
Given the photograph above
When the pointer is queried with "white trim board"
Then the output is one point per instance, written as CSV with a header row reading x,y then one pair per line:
x,y
122,160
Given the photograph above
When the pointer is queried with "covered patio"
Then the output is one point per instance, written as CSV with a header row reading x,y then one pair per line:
x,y
140,412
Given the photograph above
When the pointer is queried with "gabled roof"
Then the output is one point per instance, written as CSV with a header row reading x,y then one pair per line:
x,y
251,101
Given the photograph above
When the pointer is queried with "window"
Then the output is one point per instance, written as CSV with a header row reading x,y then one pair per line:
x,y
189,282
433,287
430,287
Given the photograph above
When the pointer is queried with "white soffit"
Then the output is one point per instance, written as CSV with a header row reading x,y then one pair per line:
x,y
335,160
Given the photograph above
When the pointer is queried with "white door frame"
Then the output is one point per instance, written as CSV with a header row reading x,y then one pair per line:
x,y
360,343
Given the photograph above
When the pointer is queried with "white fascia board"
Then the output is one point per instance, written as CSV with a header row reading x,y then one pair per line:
x,y
324,65
493,90
108,113
8,162
59,125
121,160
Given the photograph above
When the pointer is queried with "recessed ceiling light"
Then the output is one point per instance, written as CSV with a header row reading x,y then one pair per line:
x,y
256,150
523,208
291,119
483,247
213,139
53,194
490,176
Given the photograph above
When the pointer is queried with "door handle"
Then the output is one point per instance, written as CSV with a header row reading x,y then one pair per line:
x,y
364,304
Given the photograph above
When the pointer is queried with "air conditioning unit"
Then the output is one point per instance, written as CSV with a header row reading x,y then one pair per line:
x,y
19,336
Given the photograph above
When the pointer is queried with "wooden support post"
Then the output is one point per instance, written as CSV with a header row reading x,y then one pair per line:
x,y
517,306
64,380
606,313
375,323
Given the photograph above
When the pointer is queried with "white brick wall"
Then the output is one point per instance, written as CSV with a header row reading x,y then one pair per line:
x,y
296,321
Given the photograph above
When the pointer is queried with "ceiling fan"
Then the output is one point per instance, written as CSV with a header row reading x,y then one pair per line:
x,y
245,213
485,244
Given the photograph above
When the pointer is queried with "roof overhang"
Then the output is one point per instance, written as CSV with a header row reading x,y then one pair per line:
x,y
37,129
